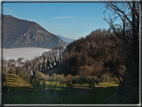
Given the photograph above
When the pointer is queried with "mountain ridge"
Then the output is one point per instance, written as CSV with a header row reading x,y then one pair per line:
x,y
23,33
67,40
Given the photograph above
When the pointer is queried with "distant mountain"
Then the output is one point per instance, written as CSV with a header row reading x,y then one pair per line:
x,y
23,33
67,40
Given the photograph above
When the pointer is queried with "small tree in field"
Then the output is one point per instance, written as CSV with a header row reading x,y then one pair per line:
x,y
89,81
82,80
35,83
92,80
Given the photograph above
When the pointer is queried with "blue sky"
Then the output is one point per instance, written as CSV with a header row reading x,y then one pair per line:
x,y
71,20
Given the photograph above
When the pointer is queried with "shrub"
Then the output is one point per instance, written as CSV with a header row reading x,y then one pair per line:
x,y
53,77
69,78
92,80
35,82
60,78
57,77
41,76
95,80
23,74
103,79
81,80
76,78
4,74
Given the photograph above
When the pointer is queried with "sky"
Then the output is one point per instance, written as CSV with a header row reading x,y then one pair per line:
x,y
71,20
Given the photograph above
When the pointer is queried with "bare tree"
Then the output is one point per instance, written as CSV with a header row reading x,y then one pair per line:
x,y
27,65
12,64
20,62
34,64
4,62
127,30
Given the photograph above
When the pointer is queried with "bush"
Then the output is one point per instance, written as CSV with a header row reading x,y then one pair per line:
x,y
35,82
41,76
103,79
69,78
60,78
57,77
53,77
82,80
23,74
95,80
92,80
4,74
75,79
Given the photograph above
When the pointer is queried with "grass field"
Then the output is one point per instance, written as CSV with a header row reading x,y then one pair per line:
x,y
18,92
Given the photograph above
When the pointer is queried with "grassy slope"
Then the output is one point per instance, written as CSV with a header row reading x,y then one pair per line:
x,y
21,93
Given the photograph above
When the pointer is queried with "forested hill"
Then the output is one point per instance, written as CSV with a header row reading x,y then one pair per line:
x,y
103,52
23,33
95,54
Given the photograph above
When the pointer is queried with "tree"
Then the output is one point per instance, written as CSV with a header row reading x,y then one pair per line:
x,y
4,62
20,62
34,63
27,65
12,63
127,31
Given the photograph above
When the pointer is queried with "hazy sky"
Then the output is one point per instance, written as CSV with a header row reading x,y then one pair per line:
x,y
71,20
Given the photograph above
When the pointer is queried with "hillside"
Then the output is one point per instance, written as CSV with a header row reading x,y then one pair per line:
x,y
100,53
22,33
67,40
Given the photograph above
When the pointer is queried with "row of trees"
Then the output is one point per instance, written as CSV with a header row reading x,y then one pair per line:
x,y
46,61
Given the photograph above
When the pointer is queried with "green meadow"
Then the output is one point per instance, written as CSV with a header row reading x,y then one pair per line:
x,y
17,91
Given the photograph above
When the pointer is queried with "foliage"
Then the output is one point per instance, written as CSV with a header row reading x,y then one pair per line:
x,y
4,73
92,80
57,77
82,80
23,74
96,54
75,79
12,70
35,83
103,79
41,76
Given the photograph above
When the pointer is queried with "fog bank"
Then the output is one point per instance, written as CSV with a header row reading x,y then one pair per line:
x,y
26,53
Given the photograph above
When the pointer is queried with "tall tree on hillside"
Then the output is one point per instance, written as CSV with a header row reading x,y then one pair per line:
x,y
127,30
34,65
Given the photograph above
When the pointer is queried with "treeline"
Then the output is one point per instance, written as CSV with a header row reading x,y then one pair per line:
x,y
46,61
96,54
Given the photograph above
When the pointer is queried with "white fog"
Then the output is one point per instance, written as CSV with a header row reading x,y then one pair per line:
x,y
26,53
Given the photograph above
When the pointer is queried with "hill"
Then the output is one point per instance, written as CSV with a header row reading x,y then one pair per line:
x,y
67,40
23,33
